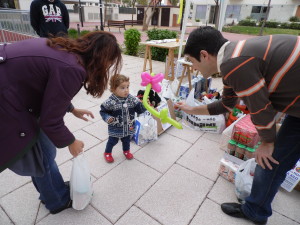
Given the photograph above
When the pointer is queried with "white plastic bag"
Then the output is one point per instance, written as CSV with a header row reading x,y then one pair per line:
x,y
81,190
145,129
207,123
244,179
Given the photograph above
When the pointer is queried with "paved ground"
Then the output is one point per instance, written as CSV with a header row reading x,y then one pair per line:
x,y
172,181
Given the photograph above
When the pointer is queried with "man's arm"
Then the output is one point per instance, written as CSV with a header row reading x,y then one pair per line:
x,y
66,18
244,76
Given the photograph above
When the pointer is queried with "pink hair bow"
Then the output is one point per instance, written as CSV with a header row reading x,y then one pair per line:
x,y
154,81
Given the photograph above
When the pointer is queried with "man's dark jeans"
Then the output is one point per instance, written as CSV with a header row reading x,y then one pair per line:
x,y
267,182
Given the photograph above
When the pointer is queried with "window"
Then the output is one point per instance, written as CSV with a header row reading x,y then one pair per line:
x,y
256,9
200,12
233,11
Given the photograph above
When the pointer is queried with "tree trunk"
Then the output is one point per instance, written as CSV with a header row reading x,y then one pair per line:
x,y
264,22
145,25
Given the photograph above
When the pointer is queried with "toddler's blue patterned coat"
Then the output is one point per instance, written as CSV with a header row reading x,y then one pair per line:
x,y
122,110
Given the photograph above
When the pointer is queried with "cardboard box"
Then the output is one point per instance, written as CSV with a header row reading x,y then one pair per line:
x,y
163,127
292,178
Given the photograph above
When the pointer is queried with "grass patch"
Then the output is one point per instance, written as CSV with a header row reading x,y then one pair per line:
x,y
255,30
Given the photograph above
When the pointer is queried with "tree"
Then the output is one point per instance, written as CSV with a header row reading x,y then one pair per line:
x,y
146,20
216,13
142,2
265,19
174,2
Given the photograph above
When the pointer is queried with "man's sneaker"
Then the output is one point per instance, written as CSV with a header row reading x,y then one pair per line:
x,y
108,157
128,155
66,206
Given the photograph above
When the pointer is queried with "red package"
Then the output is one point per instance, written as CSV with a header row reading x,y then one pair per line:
x,y
245,132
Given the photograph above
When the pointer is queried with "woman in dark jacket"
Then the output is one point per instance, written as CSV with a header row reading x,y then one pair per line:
x,y
38,79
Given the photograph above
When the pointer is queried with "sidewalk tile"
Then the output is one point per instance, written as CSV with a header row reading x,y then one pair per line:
x,y
74,123
117,191
98,164
98,129
161,154
223,191
287,203
71,217
89,141
212,137
22,204
203,157
186,134
11,181
210,213
4,219
176,197
135,216
82,103
95,110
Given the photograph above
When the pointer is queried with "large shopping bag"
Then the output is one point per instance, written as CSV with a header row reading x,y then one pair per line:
x,y
81,190
145,129
207,123
244,179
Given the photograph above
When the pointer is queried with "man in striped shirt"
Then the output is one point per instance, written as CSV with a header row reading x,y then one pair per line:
x,y
265,73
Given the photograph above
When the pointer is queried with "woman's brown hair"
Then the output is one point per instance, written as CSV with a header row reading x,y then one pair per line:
x,y
100,55
116,80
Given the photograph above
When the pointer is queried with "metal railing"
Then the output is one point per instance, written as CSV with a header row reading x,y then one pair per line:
x,y
15,26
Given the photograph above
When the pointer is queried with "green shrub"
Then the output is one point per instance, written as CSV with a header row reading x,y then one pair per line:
x,y
197,20
72,33
132,37
285,26
247,22
270,24
294,19
83,32
295,26
156,34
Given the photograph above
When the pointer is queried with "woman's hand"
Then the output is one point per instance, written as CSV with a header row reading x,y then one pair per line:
x,y
263,155
79,113
76,147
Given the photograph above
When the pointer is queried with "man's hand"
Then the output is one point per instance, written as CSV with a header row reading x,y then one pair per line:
x,y
76,147
263,155
79,113
184,107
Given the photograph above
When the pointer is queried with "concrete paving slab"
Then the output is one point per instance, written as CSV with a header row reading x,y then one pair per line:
x,y
90,141
4,219
186,134
135,216
118,190
203,157
22,205
164,152
11,181
176,197
210,213
74,123
70,217
223,191
99,165
287,204
98,129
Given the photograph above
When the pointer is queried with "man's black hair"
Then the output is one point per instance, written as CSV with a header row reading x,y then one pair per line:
x,y
204,38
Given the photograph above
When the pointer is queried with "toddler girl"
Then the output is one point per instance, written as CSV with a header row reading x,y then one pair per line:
x,y
119,112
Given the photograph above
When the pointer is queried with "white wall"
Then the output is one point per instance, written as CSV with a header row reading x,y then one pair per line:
x,y
25,4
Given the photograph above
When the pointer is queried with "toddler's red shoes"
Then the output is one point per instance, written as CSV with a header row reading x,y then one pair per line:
x,y
108,157
128,155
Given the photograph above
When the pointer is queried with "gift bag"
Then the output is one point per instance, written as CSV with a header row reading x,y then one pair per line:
x,y
81,190
145,129
244,179
207,123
